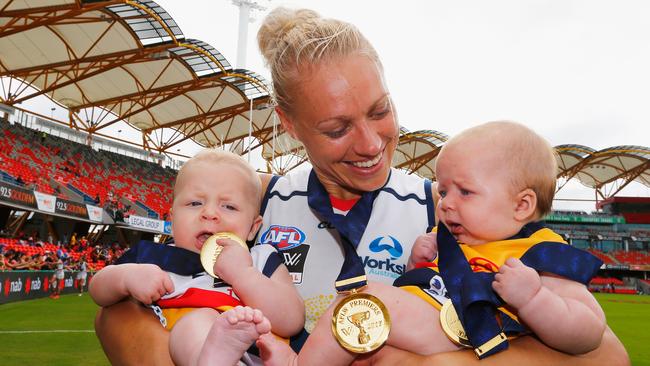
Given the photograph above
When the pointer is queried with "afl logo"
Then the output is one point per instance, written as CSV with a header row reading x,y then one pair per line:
x,y
394,250
283,237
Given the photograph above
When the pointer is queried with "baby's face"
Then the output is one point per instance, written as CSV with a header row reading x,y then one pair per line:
x,y
212,197
476,201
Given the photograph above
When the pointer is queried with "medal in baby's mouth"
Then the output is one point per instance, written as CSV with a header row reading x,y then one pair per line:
x,y
210,250
360,322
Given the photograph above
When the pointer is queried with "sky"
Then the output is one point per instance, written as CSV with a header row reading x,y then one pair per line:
x,y
576,71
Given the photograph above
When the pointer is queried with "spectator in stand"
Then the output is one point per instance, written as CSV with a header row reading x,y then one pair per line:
x,y
83,244
73,240
3,263
97,200
24,262
11,259
20,181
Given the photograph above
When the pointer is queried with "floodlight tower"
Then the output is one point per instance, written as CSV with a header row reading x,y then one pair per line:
x,y
245,8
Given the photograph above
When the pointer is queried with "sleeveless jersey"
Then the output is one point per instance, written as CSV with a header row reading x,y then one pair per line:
x,y
311,247
202,290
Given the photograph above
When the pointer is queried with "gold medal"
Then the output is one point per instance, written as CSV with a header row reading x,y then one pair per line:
x,y
361,323
452,325
211,250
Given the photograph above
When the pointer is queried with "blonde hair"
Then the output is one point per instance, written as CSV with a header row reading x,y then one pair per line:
x,y
530,159
217,157
290,39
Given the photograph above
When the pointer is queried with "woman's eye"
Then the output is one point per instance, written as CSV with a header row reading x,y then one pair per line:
x,y
380,114
464,192
442,193
336,133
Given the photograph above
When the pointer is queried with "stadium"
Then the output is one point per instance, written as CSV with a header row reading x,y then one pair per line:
x,y
77,190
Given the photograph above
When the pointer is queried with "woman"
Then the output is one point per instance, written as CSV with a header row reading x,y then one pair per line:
x,y
331,96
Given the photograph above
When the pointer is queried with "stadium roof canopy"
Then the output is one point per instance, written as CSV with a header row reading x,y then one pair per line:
x,y
108,61
128,60
608,170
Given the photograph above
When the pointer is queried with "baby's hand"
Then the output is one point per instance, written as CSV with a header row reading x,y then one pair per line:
x,y
516,283
232,260
147,283
424,249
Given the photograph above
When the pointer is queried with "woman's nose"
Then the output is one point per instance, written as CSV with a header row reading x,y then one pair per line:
x,y
368,140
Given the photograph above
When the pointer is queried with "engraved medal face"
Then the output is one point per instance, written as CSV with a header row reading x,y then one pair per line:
x,y
211,250
452,325
361,323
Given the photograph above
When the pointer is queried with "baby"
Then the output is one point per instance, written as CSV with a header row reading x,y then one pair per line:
x,y
215,191
495,181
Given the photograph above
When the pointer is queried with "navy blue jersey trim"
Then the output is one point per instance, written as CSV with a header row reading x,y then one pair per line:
x,y
286,198
431,205
409,196
272,263
267,194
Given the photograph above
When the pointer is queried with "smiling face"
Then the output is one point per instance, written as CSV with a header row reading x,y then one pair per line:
x,y
211,197
342,113
477,200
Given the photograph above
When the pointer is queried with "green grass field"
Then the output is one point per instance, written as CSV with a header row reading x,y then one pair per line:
x,y
59,332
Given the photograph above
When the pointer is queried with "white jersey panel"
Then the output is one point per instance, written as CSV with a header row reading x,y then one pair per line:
x,y
310,246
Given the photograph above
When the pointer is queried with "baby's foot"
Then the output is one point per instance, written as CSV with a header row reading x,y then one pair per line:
x,y
275,352
232,334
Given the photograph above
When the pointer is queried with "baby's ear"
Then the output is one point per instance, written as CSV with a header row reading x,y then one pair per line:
x,y
255,227
525,205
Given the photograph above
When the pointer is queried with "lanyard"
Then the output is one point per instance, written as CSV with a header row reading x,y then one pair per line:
x,y
350,228
472,295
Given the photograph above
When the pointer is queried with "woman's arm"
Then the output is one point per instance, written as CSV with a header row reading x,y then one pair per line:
x,y
130,334
523,350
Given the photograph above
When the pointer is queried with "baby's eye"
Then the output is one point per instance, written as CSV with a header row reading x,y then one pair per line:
x,y
194,203
442,193
465,192
229,207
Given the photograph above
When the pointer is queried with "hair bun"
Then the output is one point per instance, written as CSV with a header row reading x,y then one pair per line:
x,y
274,34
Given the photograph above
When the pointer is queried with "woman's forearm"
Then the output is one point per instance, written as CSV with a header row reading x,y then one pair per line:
x,y
525,350
130,334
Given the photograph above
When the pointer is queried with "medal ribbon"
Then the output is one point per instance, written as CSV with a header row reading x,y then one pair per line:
x,y
475,301
350,228
169,258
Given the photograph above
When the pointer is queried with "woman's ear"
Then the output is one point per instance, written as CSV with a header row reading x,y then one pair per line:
x,y
525,205
255,227
286,122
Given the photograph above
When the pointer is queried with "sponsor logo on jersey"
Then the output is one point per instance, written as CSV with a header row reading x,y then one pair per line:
x,y
384,267
283,237
437,289
294,258
379,245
